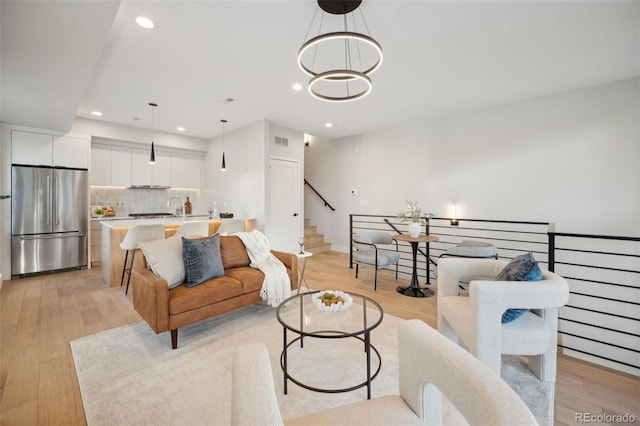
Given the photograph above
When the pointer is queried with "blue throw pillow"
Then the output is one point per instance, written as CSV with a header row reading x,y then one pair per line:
x,y
202,259
522,268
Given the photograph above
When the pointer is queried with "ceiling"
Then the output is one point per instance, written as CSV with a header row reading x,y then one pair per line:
x,y
63,59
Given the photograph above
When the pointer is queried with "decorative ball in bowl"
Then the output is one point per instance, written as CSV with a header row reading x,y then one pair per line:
x,y
332,300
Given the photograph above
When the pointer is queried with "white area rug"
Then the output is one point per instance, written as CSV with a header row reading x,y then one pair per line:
x,y
129,375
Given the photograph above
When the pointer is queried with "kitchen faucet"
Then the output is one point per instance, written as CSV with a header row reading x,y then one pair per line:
x,y
182,205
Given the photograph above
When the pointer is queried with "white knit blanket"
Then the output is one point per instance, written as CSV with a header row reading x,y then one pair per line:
x,y
276,286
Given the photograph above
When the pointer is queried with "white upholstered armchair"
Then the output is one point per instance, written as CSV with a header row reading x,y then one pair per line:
x,y
429,364
476,320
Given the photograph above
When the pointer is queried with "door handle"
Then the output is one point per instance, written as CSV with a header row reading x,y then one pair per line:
x,y
295,214
49,189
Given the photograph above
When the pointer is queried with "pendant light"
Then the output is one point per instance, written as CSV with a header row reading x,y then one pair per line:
x,y
152,157
224,165
341,60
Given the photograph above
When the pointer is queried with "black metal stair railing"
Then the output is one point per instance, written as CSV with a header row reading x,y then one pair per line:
x,y
326,203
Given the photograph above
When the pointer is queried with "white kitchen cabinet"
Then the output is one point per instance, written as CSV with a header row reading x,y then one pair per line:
x,y
143,173
161,171
100,173
140,167
125,166
71,152
41,149
194,171
186,170
31,148
120,166
178,170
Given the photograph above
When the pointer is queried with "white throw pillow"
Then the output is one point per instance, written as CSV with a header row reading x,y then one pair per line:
x,y
165,259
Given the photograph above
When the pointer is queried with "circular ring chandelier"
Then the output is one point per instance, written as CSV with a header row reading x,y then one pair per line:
x,y
340,75
336,36
346,77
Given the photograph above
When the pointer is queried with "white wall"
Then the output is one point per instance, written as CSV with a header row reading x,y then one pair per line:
x,y
572,159
239,189
243,187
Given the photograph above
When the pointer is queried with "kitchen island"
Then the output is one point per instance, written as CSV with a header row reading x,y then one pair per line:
x,y
114,231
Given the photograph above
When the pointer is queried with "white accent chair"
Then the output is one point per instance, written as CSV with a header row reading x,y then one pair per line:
x,y
429,364
136,234
476,320
193,229
370,251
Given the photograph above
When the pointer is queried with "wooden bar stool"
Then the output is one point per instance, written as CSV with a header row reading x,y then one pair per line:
x,y
135,235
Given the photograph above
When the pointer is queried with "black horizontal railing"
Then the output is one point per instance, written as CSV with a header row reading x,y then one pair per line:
x,y
601,321
326,203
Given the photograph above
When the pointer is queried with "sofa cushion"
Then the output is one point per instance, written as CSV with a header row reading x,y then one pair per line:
x,y
233,252
202,259
165,259
183,298
522,268
250,278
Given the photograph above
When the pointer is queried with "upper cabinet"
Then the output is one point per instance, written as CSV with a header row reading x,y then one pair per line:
x,y
120,165
100,174
31,148
186,170
144,173
179,170
70,152
129,166
110,165
194,171
41,149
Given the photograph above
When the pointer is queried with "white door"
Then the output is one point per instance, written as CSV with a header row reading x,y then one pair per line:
x,y
284,210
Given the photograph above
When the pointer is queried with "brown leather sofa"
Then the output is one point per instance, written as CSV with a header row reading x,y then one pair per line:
x,y
167,309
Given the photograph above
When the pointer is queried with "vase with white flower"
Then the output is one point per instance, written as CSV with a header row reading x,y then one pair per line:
x,y
415,216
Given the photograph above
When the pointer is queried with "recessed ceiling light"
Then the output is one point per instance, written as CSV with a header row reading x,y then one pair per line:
x,y
145,22
180,129
96,113
328,125
297,87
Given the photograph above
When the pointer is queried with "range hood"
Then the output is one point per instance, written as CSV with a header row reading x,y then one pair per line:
x,y
149,187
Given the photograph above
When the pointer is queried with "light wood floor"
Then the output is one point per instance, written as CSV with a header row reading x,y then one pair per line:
x,y
40,316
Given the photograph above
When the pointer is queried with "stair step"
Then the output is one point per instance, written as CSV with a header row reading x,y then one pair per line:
x,y
314,242
313,239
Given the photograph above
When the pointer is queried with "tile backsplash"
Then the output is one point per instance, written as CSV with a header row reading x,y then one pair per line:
x,y
128,200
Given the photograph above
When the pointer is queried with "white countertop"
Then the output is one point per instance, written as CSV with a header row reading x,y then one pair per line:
x,y
196,215
127,222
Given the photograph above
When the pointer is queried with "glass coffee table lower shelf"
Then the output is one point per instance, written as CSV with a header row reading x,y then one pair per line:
x,y
302,319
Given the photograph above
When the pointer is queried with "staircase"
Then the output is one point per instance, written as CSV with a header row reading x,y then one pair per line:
x,y
314,242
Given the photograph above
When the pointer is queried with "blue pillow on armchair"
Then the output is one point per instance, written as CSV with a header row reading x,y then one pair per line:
x,y
522,268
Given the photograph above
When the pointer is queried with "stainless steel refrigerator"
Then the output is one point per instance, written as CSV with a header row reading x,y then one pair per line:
x,y
49,219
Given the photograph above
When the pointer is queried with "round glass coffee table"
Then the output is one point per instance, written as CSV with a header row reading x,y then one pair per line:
x,y
299,315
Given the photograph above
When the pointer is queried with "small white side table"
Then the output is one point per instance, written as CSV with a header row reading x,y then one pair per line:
x,y
302,265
